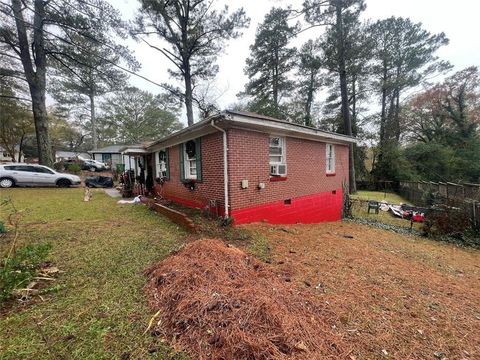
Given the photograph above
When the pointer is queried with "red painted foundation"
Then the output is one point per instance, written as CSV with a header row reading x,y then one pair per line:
x,y
308,209
315,208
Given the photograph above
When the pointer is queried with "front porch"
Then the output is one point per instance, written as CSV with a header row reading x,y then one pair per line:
x,y
138,178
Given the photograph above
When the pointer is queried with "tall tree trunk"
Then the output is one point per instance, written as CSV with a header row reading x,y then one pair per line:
x,y
383,116
354,106
40,117
390,121
36,78
344,93
93,120
397,116
275,83
384,106
20,147
188,95
308,104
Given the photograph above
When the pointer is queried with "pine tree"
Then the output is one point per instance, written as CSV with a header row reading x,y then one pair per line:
x,y
195,34
269,64
337,13
309,79
404,55
133,115
82,78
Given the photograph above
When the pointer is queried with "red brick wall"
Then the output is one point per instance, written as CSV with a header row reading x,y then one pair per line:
x,y
211,188
248,159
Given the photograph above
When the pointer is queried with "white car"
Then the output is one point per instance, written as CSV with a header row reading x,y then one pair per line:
x,y
94,165
34,175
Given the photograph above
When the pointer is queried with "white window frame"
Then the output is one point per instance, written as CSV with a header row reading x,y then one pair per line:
x,y
187,165
283,155
330,158
161,165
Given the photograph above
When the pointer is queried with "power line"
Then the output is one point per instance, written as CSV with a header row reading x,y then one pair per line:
x,y
173,92
15,97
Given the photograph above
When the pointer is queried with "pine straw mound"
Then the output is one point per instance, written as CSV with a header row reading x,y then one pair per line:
x,y
217,302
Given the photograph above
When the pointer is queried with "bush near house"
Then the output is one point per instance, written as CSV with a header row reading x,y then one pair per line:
x,y
74,168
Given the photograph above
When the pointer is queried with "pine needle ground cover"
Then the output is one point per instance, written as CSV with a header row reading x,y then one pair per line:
x,y
101,249
218,302
396,296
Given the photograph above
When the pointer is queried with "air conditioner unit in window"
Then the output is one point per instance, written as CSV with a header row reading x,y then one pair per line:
x,y
278,170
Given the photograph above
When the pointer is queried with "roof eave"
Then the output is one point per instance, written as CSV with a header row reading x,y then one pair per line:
x,y
227,119
199,129
289,129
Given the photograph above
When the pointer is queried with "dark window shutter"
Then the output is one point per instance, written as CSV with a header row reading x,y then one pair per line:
x,y
198,154
167,163
182,162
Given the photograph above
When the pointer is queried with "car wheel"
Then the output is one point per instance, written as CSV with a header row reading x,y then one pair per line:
x,y
6,183
64,183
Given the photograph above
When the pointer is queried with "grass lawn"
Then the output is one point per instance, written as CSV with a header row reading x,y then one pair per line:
x,y
389,197
360,208
99,310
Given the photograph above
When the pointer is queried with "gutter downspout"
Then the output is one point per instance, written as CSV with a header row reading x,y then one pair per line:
x,y
225,166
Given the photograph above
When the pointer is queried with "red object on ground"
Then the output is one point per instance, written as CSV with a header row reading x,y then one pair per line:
x,y
418,217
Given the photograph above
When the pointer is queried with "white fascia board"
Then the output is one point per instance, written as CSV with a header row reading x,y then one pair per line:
x,y
181,137
292,130
103,152
134,151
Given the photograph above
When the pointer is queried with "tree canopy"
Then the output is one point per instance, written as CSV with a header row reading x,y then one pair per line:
x,y
270,63
133,115
195,34
36,33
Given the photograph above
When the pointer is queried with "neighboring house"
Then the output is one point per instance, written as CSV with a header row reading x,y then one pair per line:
x,y
6,157
66,155
113,155
263,168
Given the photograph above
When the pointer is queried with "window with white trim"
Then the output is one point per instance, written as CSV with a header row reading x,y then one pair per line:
x,y
277,156
190,160
330,159
163,171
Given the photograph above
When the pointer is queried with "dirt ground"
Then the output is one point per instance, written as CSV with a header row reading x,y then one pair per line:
x,y
396,296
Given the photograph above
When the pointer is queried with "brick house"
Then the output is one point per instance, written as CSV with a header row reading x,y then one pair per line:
x,y
275,171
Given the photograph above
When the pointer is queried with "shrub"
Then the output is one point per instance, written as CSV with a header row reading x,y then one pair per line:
x,y
446,222
59,166
74,168
19,269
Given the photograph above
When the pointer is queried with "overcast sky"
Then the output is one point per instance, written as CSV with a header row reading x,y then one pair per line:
x,y
459,20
